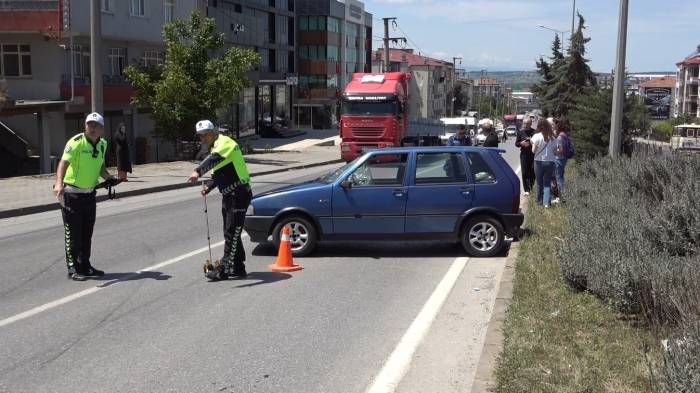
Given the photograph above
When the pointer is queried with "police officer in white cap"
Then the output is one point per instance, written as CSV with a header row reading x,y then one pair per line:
x,y
81,165
230,175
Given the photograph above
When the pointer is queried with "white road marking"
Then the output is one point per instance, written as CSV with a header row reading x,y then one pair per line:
x,y
399,362
517,171
101,286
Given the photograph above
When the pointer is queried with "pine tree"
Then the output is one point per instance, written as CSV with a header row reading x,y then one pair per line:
x,y
572,75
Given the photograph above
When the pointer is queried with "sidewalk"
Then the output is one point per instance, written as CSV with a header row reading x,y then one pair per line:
x,y
32,194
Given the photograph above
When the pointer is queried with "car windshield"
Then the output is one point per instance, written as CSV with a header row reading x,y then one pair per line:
x,y
333,175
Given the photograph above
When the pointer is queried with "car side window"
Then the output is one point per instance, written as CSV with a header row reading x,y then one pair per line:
x,y
481,172
440,168
381,170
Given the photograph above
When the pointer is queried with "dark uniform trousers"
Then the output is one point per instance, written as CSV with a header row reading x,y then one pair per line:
x,y
527,171
233,209
78,212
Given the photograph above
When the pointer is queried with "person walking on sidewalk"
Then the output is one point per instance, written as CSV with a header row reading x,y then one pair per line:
x,y
543,145
123,159
82,163
230,175
527,165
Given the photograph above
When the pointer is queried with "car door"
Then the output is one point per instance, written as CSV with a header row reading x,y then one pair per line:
x,y
373,201
439,192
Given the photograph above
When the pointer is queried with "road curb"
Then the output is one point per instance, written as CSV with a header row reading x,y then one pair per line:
x,y
485,378
23,211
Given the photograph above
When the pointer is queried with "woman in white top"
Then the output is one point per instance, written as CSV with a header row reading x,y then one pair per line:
x,y
544,144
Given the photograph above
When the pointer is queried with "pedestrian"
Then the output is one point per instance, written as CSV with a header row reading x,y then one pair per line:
x,y
460,138
543,146
230,175
82,163
123,159
527,165
563,151
491,137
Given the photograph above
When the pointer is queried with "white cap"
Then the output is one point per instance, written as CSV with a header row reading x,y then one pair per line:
x,y
96,117
204,126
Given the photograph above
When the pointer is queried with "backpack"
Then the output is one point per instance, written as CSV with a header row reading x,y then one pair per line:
x,y
569,150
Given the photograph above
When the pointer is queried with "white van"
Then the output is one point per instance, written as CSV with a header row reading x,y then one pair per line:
x,y
451,124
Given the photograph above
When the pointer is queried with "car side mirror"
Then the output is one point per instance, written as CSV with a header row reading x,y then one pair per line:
x,y
347,184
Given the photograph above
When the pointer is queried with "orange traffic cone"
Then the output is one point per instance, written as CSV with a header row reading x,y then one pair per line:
x,y
284,256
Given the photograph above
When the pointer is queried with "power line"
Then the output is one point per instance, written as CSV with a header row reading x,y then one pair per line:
x,y
396,24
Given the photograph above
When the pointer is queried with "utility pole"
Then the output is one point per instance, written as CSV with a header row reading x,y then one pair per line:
x,y
619,83
96,56
454,81
387,60
573,16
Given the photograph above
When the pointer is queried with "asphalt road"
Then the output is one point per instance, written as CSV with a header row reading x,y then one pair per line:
x,y
154,324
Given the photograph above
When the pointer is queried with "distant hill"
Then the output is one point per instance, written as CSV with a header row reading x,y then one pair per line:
x,y
517,80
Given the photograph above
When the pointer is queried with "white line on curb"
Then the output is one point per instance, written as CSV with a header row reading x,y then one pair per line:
x,y
101,286
399,362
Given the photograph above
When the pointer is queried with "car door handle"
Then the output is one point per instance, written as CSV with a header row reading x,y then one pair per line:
x,y
399,193
466,192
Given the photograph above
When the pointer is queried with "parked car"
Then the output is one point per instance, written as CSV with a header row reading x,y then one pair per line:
x,y
458,194
511,130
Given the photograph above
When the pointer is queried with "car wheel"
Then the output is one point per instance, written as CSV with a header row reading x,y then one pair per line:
x,y
482,236
302,234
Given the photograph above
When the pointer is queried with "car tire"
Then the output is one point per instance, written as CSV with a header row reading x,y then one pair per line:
x,y
482,236
302,233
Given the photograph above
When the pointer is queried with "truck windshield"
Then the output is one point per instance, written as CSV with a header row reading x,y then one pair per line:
x,y
363,108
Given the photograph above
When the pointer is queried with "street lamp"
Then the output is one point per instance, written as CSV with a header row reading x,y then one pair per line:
x,y
556,31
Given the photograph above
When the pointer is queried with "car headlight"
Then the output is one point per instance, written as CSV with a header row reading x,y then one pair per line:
x,y
250,211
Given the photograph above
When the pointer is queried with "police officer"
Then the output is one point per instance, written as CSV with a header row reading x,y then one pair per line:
x,y
230,175
82,163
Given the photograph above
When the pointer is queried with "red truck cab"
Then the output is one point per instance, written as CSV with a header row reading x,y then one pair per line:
x,y
374,112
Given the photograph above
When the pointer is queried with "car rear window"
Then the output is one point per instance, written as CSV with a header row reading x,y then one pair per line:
x,y
481,172
440,168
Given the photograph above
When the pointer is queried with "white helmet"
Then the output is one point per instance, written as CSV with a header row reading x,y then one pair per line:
x,y
204,126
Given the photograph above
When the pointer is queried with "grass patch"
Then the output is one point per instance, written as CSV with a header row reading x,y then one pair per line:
x,y
560,340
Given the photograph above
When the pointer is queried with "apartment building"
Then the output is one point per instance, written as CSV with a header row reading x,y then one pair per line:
x,y
687,82
334,41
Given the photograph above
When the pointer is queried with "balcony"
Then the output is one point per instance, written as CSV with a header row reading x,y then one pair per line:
x,y
693,98
693,80
115,89
30,16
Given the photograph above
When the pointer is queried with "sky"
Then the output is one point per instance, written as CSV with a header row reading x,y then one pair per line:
x,y
503,35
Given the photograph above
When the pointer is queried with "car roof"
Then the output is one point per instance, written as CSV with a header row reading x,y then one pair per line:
x,y
435,149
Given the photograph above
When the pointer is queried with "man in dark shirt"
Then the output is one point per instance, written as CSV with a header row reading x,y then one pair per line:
x,y
527,157
491,137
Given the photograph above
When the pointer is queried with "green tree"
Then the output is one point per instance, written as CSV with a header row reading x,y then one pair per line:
x,y
547,73
591,117
4,94
198,78
571,75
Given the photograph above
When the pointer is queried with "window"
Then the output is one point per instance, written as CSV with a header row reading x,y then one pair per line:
x,y
138,7
107,6
152,58
333,25
117,61
440,168
81,60
303,23
381,170
237,8
16,60
169,8
480,169
332,52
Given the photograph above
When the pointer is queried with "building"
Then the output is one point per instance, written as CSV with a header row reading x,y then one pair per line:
x,y
334,41
268,27
687,81
658,96
431,81
45,49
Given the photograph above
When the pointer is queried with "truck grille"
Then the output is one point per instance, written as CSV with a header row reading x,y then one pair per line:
x,y
367,132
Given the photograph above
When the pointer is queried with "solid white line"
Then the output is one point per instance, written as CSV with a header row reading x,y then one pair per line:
x,y
101,286
517,171
399,362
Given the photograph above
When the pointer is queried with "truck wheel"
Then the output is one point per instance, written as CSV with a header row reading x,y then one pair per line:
x,y
302,234
482,236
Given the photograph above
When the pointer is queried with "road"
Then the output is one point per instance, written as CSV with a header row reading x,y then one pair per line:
x,y
154,324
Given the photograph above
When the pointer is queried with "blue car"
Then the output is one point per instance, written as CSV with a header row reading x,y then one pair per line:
x,y
457,194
